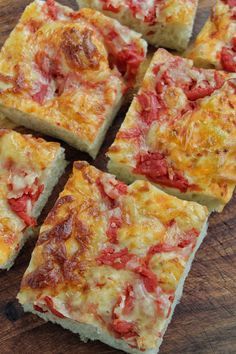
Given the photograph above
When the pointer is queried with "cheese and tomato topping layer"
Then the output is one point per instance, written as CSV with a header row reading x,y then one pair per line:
x,y
23,160
172,19
68,68
216,43
180,131
151,11
111,255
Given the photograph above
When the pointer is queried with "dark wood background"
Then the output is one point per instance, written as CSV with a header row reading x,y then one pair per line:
x,y
204,322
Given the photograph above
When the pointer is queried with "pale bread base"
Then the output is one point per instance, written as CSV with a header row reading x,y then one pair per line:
x,y
50,177
174,36
94,333
124,173
41,125
6,123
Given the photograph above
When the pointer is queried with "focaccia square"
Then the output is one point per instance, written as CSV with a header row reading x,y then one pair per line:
x,y
180,132
165,23
111,260
66,73
29,169
215,46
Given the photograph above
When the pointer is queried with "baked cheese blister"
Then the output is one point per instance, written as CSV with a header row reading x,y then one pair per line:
x,y
66,73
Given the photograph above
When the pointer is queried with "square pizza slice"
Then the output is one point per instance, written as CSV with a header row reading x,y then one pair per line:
x,y
215,46
65,73
165,23
180,132
111,260
29,169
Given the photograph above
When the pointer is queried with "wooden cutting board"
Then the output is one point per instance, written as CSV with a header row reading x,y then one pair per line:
x,y
204,322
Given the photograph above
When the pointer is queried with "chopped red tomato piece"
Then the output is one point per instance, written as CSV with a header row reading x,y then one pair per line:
x,y
117,260
129,300
228,59
42,60
39,309
156,69
151,17
50,69
193,89
121,188
234,44
231,3
114,225
109,7
49,303
7,79
194,92
160,248
149,278
189,237
152,107
115,189
101,187
41,94
154,166
19,205
130,133
112,34
178,181
100,285
28,220
52,10
123,328
171,298
135,7
126,57
34,197
128,61
159,308
34,25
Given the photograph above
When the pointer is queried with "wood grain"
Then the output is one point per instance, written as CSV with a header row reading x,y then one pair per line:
x,y
204,323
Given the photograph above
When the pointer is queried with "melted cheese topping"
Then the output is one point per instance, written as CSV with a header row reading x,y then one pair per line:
x,y
63,67
192,126
151,11
217,33
124,284
23,159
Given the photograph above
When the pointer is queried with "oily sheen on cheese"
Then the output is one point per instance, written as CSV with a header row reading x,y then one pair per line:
x,y
111,259
180,132
165,23
25,184
215,46
65,73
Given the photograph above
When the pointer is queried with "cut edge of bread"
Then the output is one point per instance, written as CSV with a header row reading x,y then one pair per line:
x,y
6,123
180,287
51,176
174,36
91,332
44,126
124,173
